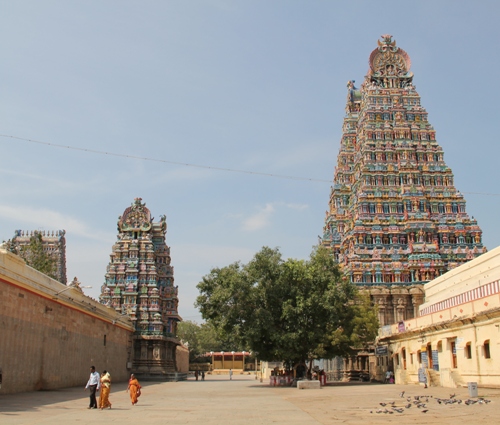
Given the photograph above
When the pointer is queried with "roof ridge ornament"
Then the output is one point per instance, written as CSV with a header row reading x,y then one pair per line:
x,y
387,43
389,65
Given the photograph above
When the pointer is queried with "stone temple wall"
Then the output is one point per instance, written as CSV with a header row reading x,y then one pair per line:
x,y
51,333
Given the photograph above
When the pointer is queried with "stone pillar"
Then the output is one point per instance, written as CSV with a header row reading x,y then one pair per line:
x,y
400,308
417,298
345,376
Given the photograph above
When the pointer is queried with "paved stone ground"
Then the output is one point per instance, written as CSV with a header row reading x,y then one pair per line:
x,y
246,401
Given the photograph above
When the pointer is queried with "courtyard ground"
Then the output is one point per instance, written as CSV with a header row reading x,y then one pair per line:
x,y
245,400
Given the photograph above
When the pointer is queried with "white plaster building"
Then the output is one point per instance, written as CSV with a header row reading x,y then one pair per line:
x,y
456,337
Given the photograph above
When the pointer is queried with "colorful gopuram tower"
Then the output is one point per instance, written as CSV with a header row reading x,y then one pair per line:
x,y
395,218
140,283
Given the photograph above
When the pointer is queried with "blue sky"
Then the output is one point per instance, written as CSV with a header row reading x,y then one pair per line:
x,y
246,85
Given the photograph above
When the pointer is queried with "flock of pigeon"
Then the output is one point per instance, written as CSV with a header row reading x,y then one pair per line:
x,y
421,402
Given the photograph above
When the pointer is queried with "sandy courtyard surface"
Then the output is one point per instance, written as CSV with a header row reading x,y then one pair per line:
x,y
244,400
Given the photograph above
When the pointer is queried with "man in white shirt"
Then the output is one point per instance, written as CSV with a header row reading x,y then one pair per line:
x,y
94,384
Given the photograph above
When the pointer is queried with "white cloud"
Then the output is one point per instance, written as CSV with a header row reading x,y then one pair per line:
x,y
45,219
59,182
259,220
262,218
298,207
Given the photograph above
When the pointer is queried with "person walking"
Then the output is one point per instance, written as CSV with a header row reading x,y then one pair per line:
x,y
93,384
105,389
230,374
202,375
134,388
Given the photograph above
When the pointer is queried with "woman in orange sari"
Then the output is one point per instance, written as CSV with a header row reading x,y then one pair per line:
x,y
105,389
134,388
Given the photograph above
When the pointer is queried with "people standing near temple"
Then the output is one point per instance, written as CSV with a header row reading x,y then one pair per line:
x,y
134,389
230,374
93,384
105,389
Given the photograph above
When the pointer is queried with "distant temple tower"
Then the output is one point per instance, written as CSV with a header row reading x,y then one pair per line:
x,y
54,243
140,283
395,218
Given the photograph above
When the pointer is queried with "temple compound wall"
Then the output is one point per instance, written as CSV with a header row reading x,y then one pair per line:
x,y
456,337
52,333
182,358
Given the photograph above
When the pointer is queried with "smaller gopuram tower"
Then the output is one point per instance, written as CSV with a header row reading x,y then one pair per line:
x,y
54,244
140,284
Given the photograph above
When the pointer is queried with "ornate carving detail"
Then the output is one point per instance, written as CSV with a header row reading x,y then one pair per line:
x,y
389,65
135,218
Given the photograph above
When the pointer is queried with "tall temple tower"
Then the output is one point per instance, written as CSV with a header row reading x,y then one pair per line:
x,y
140,283
395,218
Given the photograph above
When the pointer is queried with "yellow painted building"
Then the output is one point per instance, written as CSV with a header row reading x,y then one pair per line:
x,y
456,337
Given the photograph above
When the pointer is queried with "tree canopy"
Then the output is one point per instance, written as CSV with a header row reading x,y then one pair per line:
x,y
291,310
202,339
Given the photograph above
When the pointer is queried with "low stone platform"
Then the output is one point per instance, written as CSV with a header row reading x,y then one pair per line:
x,y
235,372
308,385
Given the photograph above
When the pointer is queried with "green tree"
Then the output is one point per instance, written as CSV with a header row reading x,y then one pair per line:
x,y
204,338
187,332
34,255
291,310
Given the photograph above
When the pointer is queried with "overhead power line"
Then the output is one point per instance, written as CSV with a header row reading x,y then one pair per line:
x,y
187,164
